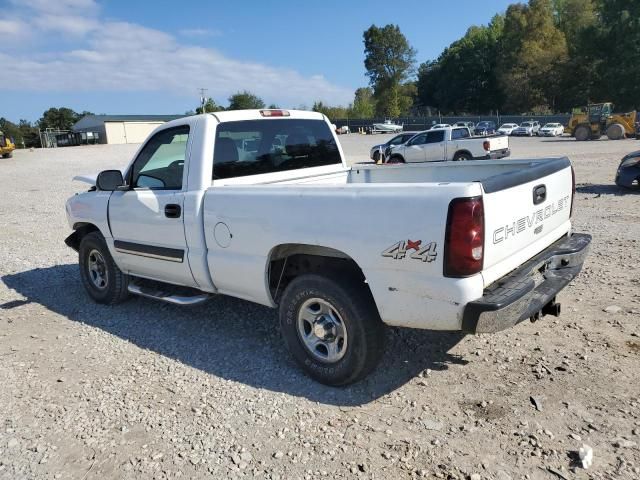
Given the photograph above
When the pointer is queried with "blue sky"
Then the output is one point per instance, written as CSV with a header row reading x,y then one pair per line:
x,y
129,57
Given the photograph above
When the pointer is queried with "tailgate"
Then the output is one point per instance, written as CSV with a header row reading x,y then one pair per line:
x,y
499,143
525,211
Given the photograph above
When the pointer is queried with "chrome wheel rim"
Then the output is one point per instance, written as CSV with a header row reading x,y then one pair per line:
x,y
97,270
322,331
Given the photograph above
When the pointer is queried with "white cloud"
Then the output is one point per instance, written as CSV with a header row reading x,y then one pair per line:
x,y
200,32
56,6
13,28
66,24
121,56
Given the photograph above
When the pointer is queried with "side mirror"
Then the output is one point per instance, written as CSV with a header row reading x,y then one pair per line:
x,y
109,180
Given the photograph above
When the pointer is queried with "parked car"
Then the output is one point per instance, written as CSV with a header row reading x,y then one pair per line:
x,y
528,129
374,154
469,125
551,130
485,128
507,128
628,174
439,125
262,205
449,143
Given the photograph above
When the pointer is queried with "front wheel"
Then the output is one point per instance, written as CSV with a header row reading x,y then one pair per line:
x,y
102,279
396,159
331,328
7,155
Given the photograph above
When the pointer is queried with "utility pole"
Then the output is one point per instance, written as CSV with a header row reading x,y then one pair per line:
x,y
203,99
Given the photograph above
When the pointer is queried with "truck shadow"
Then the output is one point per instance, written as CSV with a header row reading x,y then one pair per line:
x,y
230,338
611,189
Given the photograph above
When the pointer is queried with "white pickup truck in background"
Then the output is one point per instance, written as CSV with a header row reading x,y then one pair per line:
x,y
261,205
448,143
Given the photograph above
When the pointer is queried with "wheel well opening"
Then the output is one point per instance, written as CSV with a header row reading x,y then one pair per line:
x,y
79,231
292,260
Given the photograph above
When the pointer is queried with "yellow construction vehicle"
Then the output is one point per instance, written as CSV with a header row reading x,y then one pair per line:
x,y
596,119
6,146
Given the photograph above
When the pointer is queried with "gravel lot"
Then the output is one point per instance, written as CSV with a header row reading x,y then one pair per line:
x,y
148,390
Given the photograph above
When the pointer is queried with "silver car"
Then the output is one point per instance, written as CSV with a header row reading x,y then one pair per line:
x,y
397,140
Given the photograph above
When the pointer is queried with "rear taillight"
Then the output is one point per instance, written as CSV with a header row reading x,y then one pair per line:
x,y
486,145
573,189
464,238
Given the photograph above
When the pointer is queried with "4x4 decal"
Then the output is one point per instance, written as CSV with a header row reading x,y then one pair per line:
x,y
399,250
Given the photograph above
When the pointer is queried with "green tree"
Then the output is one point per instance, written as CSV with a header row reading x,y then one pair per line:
x,y
210,106
333,113
617,42
389,63
532,54
364,106
463,79
60,118
24,132
245,101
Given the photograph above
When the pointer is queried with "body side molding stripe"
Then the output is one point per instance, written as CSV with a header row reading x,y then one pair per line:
x,y
160,253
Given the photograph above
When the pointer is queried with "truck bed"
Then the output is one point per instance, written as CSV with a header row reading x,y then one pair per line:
x,y
364,210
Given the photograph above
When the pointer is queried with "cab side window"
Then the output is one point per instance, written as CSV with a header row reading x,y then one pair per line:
x,y
435,137
459,133
419,139
160,164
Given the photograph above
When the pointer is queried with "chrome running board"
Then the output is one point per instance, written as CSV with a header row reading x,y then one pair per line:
x,y
165,296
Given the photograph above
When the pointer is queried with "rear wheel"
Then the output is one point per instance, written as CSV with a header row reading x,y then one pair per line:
x,y
331,328
582,133
460,156
101,277
7,155
615,131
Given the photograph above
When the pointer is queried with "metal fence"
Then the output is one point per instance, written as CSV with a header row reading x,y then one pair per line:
x,y
423,123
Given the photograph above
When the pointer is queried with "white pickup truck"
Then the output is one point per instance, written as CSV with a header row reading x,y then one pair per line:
x,y
448,143
261,205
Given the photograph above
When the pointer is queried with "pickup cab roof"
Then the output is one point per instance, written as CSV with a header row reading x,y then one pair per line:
x,y
261,114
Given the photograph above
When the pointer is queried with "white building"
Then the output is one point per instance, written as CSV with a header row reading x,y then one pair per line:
x,y
113,129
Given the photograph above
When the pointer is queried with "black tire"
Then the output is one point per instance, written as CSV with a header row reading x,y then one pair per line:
x,y
461,156
616,131
7,155
351,303
376,156
582,133
115,283
395,159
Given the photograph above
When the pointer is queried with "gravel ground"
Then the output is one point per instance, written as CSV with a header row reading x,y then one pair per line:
x,y
148,390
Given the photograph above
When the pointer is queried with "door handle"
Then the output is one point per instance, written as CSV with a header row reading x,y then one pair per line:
x,y
171,210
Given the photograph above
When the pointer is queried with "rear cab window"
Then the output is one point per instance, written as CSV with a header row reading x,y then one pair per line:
x,y
253,147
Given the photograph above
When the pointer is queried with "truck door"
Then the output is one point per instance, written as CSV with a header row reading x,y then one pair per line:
x,y
434,147
413,151
146,220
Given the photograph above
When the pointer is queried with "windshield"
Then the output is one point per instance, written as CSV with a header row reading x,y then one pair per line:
x,y
526,124
551,125
508,125
252,147
485,124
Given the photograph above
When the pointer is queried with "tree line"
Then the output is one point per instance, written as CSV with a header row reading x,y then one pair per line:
x,y
540,57
26,134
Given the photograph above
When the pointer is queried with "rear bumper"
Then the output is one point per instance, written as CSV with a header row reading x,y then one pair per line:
x,y
530,290
496,155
